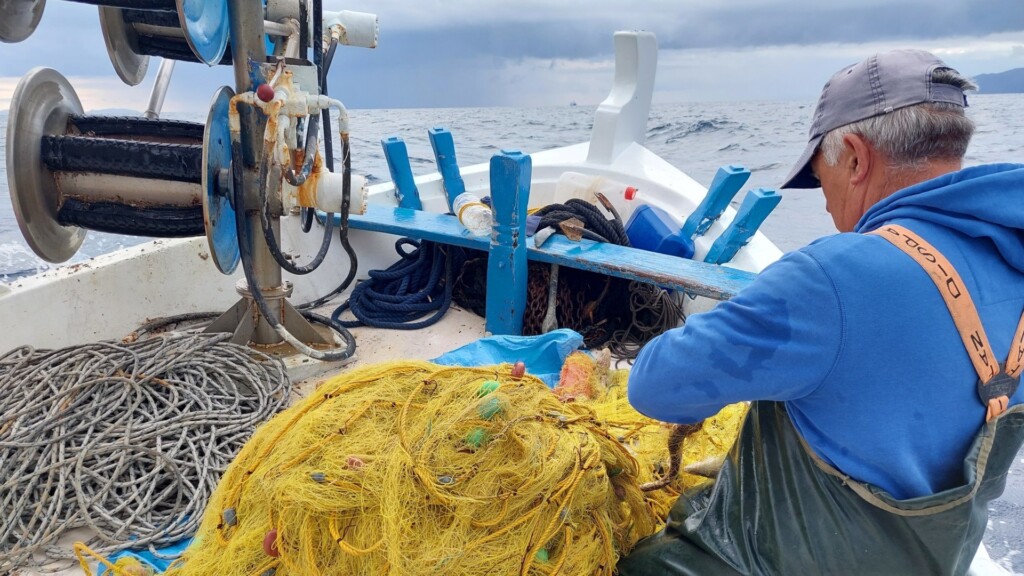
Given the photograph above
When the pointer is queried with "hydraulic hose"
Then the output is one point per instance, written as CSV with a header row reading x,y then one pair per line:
x,y
346,196
307,213
238,193
268,230
313,129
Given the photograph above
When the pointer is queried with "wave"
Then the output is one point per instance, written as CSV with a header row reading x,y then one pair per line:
x,y
16,261
732,147
704,128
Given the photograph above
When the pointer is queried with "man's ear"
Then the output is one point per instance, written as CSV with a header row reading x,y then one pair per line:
x,y
860,158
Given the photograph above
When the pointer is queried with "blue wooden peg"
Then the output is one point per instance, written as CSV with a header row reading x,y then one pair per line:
x,y
506,266
757,205
727,182
401,172
444,155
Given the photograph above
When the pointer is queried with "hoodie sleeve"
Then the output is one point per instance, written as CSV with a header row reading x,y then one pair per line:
x,y
776,340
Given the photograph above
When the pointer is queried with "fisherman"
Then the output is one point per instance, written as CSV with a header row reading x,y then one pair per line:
x,y
885,415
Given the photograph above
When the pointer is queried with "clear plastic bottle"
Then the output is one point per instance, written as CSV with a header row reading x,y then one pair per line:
x,y
585,187
472,213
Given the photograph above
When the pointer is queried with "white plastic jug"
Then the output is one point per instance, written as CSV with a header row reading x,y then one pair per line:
x,y
585,187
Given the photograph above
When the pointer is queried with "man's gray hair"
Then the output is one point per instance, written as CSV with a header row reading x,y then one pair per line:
x,y
912,135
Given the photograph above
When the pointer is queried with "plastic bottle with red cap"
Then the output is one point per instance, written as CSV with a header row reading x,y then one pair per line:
x,y
585,187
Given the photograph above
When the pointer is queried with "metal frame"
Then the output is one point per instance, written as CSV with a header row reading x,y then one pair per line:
x,y
19,18
122,47
248,53
41,105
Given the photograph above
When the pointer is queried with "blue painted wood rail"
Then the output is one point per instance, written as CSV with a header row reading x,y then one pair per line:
x,y
510,250
727,182
669,272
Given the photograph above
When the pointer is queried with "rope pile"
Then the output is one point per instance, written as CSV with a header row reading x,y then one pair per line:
x,y
128,440
419,283
414,468
588,302
653,311
597,226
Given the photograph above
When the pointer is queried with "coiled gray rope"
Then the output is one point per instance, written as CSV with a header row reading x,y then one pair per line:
x,y
128,440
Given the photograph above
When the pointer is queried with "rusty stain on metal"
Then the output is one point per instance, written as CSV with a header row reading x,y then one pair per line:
x,y
118,200
271,130
307,191
207,224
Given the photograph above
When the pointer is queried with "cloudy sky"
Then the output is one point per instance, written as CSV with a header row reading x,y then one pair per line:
x,y
439,53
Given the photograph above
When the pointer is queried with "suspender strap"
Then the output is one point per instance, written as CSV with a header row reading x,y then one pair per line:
x,y
996,383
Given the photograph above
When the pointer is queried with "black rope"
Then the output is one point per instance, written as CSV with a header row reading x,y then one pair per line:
x,y
654,310
140,159
596,226
419,283
132,4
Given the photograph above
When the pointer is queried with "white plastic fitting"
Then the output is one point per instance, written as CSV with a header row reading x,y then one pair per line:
x,y
352,28
329,193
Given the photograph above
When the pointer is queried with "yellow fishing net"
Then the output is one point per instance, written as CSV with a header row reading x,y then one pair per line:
x,y
414,468
702,452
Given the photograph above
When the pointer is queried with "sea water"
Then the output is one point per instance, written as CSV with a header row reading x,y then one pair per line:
x,y
696,137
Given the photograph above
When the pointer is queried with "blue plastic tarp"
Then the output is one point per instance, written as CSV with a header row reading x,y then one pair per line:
x,y
158,562
543,355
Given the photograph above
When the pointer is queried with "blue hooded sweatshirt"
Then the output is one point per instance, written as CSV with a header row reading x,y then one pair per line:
x,y
854,337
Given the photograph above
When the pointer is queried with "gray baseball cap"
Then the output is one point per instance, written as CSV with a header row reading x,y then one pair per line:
x,y
876,86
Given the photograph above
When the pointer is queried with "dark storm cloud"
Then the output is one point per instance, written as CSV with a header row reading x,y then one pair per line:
x,y
69,34
576,39
459,66
823,22
717,24
458,61
459,53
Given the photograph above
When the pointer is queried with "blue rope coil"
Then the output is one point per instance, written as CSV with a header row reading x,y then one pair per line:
x,y
419,283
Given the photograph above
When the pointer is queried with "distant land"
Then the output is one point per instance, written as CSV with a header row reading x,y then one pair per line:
x,y
1009,82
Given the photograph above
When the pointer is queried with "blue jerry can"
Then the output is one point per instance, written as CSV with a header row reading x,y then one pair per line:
x,y
652,229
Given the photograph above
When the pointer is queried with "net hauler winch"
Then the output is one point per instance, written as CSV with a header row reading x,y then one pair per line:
x,y
256,158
